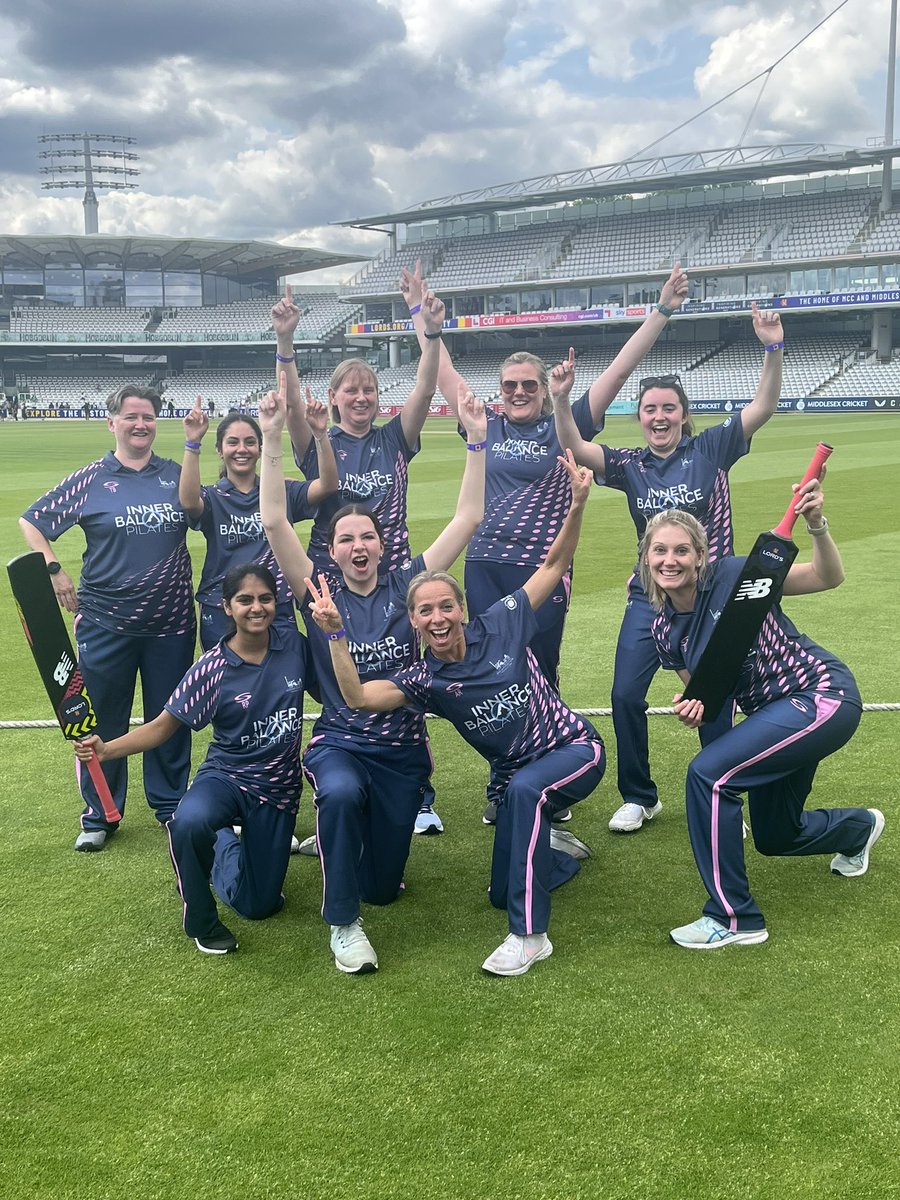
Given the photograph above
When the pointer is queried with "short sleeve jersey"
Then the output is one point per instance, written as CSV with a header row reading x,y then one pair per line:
x,y
694,478
381,641
234,534
496,697
373,470
136,571
256,711
782,662
527,492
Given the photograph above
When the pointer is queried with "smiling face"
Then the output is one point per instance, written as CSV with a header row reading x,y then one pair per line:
x,y
252,607
355,401
662,419
674,563
134,428
239,450
524,394
357,550
437,617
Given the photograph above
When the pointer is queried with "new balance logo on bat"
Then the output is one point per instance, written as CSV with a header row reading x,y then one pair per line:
x,y
753,589
63,670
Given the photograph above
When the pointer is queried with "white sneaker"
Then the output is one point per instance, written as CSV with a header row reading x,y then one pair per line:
x,y
308,846
707,934
630,817
295,845
91,839
428,822
352,950
851,865
568,843
516,955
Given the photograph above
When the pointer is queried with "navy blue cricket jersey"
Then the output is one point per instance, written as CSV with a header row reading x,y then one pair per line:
x,y
136,571
527,492
234,533
381,641
783,661
694,478
497,698
374,471
256,711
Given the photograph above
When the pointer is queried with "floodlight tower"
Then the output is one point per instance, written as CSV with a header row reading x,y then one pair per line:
x,y
111,146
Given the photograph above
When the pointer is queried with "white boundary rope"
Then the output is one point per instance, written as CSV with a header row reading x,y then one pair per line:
x,y
309,717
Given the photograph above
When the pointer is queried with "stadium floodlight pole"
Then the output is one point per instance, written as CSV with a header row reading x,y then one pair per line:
x,y
887,174
91,174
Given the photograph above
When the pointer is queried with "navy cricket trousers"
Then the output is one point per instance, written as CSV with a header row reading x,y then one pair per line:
x,y
110,663
772,756
525,869
247,872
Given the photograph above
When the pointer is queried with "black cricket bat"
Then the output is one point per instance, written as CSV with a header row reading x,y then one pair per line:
x,y
757,589
49,640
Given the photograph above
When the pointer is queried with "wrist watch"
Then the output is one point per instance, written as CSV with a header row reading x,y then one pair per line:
x,y
54,568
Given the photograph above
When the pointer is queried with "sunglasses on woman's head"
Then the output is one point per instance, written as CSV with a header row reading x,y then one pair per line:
x,y
662,381
511,385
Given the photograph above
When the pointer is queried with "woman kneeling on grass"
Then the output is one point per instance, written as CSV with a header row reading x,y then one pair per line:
x,y
250,687
370,774
485,680
801,702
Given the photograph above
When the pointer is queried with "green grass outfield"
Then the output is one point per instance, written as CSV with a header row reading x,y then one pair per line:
x,y
134,1067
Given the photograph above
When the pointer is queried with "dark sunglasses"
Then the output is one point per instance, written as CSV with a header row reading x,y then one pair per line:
x,y
510,386
662,381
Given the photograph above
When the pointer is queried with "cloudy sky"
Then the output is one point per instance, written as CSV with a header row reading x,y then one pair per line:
x,y
272,119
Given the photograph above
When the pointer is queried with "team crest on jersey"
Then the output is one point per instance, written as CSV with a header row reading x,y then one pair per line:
x,y
501,663
168,483
715,613
111,485
511,602
455,689
389,609
244,699
291,683
686,462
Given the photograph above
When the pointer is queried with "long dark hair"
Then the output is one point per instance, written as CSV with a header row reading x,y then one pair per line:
x,y
235,576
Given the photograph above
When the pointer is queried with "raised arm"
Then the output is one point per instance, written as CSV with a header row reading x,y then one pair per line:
x,y
196,425
449,544
292,558
585,453
767,327
63,584
136,741
826,571
415,409
413,288
378,695
285,318
542,583
329,480
607,386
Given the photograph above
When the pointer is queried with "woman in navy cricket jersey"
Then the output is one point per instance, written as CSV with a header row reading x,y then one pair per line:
x,y
134,605
675,469
527,489
369,773
484,678
249,687
227,512
373,460
801,702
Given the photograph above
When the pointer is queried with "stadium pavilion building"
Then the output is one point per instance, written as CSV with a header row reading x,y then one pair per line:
x,y
540,264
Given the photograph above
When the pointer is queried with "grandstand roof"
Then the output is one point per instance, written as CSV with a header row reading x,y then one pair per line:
x,y
693,169
168,253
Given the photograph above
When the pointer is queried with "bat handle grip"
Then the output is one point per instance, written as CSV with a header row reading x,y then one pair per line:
x,y
110,812
813,471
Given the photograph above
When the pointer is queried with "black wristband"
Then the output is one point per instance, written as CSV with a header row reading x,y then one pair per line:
x,y
432,337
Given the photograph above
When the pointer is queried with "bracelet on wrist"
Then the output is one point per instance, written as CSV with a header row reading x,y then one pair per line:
x,y
286,359
819,530
414,308
476,445
774,346
665,310
336,635
194,447
432,337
